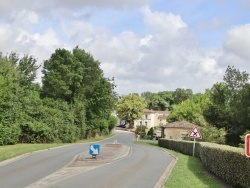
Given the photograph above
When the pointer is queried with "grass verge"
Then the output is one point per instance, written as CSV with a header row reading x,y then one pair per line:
x,y
187,172
10,151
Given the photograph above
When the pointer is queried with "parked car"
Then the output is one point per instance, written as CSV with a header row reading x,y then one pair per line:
x,y
121,126
157,134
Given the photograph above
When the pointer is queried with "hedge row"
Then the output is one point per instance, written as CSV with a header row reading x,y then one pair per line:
x,y
228,163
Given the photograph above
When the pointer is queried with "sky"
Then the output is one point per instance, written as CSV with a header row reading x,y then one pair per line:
x,y
146,45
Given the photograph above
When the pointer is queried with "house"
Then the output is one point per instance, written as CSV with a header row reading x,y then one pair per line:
x,y
177,130
152,118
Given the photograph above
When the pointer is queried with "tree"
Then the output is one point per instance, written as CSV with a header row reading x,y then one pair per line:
x,y
158,101
77,76
167,96
217,111
187,111
235,79
229,107
129,108
181,95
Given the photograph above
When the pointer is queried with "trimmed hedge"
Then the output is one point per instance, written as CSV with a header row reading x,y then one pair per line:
x,y
228,163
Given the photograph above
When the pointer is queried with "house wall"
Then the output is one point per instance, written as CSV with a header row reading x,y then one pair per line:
x,y
147,120
151,119
175,133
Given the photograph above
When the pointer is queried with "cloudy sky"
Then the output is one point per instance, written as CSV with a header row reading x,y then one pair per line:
x,y
147,45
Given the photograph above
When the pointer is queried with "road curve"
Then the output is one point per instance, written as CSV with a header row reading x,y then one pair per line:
x,y
141,168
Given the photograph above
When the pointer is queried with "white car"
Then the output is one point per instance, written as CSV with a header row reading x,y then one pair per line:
x,y
157,134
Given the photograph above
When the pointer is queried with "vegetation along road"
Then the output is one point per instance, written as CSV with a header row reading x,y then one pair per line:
x,y
132,166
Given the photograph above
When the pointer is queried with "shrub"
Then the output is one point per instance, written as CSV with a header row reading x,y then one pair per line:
x,y
150,134
141,130
228,163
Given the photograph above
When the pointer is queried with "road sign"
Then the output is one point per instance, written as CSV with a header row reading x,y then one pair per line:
x,y
195,133
247,145
94,149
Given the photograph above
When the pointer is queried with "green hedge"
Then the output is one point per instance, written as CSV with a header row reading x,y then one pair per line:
x,y
228,163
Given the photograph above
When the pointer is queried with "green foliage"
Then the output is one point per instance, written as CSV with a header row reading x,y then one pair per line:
x,y
155,101
188,110
112,122
73,96
150,134
242,138
228,163
74,77
36,133
213,134
230,104
181,95
189,167
129,108
141,130
103,126
9,134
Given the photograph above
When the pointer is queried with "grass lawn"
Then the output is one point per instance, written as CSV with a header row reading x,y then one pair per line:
x,y
187,172
10,151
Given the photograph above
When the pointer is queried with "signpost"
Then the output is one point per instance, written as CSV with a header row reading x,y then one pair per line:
x,y
94,150
195,133
247,145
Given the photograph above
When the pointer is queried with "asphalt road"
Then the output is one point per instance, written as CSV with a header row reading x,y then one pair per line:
x,y
142,167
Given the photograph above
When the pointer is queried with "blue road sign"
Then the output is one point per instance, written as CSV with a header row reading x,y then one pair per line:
x,y
94,149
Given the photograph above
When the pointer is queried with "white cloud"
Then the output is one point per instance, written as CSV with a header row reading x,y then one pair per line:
x,y
238,41
165,56
159,21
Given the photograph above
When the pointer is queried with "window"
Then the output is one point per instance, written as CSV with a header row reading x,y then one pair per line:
x,y
140,122
146,123
146,116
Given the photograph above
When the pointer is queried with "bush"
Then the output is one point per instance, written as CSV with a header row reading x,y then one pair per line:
x,y
141,130
36,133
150,134
9,134
228,163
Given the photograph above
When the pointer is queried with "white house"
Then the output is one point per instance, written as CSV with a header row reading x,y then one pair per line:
x,y
152,118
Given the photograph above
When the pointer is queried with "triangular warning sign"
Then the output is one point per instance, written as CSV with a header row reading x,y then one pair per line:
x,y
195,133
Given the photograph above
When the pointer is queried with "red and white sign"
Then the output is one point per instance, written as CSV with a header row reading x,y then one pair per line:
x,y
195,133
247,145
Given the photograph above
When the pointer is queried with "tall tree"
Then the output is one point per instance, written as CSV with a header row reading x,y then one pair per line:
x,y
181,95
229,104
77,76
130,107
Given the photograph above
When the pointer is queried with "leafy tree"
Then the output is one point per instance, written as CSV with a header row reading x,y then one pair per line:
x,y
9,108
129,108
235,79
76,75
167,96
229,105
217,111
213,134
158,101
189,110
181,95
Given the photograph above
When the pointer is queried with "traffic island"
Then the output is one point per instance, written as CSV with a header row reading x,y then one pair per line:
x,y
84,162
109,153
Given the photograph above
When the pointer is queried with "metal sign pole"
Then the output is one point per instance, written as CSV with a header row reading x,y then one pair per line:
x,y
194,147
